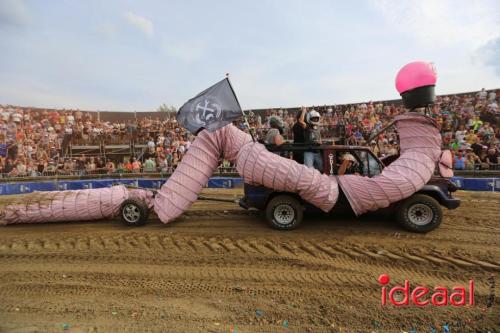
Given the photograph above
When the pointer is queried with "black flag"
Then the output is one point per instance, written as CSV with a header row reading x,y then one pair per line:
x,y
211,109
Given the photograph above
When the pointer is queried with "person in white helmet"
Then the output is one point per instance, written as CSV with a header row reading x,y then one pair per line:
x,y
313,158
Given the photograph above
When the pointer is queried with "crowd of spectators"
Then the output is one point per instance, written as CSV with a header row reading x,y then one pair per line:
x,y
35,142
38,142
470,126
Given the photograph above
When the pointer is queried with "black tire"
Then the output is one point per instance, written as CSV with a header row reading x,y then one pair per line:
x,y
419,213
134,212
284,212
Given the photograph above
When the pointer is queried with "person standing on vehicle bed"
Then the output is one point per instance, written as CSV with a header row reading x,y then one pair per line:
x,y
313,158
299,134
274,136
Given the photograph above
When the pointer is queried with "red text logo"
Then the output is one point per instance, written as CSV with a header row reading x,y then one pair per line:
x,y
422,296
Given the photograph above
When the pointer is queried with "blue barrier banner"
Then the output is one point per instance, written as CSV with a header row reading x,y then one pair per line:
x,y
468,184
151,183
63,185
458,181
223,182
479,184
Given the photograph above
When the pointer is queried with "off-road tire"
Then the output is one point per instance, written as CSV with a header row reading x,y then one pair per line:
x,y
419,213
284,212
134,212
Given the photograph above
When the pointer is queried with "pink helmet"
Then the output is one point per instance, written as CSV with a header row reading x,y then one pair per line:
x,y
415,82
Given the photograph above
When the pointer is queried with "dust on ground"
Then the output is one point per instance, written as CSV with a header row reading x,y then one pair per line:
x,y
219,268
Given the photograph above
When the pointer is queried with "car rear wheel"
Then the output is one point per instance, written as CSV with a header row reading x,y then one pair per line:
x,y
284,212
420,213
134,212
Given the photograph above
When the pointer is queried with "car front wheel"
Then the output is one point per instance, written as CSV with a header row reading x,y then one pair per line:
x,y
420,213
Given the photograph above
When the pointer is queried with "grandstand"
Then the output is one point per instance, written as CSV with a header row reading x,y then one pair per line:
x,y
48,142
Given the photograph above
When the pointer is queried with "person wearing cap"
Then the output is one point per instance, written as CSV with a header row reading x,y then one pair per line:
x,y
374,148
472,162
348,164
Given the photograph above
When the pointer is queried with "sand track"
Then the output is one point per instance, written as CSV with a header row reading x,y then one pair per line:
x,y
221,269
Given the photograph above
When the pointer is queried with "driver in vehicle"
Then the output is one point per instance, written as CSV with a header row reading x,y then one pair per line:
x,y
348,166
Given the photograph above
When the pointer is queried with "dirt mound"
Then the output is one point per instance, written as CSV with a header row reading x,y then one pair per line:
x,y
221,269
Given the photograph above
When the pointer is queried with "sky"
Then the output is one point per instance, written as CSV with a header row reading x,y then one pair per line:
x,y
135,55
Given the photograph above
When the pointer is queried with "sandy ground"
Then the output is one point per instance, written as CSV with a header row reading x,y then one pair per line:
x,y
221,269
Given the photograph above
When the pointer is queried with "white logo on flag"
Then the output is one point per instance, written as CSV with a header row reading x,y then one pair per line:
x,y
207,110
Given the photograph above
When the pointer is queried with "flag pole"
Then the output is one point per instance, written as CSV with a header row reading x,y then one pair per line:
x,y
245,118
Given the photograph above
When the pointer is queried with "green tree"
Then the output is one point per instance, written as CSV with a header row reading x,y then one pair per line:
x,y
165,108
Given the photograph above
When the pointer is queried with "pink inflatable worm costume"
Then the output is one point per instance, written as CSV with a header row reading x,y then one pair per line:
x,y
420,146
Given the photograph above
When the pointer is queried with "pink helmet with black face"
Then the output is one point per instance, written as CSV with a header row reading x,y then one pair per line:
x,y
415,83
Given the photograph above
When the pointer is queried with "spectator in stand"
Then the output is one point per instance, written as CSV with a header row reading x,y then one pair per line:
x,y
163,164
477,146
90,167
99,163
482,94
493,159
128,165
110,167
471,137
175,160
483,156
460,133
51,167
149,165
68,166
136,165
472,161
486,131
80,165
459,161
120,168
40,167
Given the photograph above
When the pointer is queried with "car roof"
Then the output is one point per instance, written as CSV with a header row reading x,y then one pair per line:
x,y
307,146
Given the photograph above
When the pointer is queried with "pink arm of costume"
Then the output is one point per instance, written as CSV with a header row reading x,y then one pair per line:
x,y
260,167
66,206
254,163
192,174
420,144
